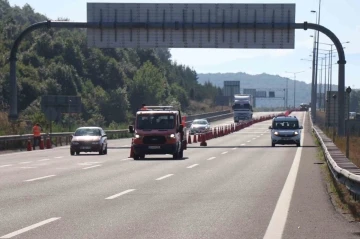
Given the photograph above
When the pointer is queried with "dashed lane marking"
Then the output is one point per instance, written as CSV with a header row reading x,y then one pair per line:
x,y
35,179
211,158
94,166
224,152
120,194
163,177
193,166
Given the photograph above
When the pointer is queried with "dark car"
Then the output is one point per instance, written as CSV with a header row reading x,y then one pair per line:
x,y
89,139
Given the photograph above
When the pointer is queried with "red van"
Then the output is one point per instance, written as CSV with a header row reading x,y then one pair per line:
x,y
158,130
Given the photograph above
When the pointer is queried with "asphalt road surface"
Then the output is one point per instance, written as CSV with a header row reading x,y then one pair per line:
x,y
237,187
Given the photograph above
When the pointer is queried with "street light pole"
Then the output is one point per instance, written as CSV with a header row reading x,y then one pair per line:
x,y
295,82
334,123
348,90
317,49
69,115
314,75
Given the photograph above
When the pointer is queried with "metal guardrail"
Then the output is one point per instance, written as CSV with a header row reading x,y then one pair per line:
x,y
19,141
341,166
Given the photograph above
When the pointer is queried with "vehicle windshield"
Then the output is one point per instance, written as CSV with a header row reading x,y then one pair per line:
x,y
241,106
202,122
155,121
285,124
88,132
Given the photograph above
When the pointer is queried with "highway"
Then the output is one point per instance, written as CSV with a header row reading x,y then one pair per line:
x,y
237,187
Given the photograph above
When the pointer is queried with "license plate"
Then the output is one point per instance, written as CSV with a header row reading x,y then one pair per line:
x,y
154,147
285,138
85,147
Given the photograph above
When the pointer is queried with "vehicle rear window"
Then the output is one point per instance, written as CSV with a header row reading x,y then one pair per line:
x,y
88,132
155,121
285,124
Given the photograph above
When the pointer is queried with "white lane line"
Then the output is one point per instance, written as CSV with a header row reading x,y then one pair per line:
x,y
163,177
4,166
34,179
224,152
126,145
25,162
120,194
234,148
39,224
94,166
193,166
277,223
248,141
242,144
43,160
253,138
211,158
59,157
27,167
125,159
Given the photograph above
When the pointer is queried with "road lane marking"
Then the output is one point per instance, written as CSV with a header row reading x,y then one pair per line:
x,y
163,177
94,166
125,159
253,138
277,223
25,229
248,141
211,158
34,179
88,163
234,148
120,194
27,167
126,145
224,152
4,166
43,160
242,144
193,166
59,157
25,162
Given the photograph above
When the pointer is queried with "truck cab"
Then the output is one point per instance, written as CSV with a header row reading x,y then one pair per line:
x,y
242,107
158,130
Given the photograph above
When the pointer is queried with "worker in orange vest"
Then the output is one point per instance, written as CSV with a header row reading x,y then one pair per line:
x,y
143,107
37,135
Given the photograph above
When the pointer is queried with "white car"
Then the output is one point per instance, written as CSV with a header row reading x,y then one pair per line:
x,y
199,126
285,130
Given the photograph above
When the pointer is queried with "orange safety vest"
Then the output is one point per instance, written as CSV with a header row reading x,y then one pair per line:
x,y
36,131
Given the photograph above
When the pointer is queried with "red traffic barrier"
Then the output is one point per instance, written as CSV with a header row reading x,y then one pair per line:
x,y
203,141
29,148
189,139
42,146
195,141
48,143
131,149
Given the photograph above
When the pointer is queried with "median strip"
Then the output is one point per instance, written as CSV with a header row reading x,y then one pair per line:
x,y
26,229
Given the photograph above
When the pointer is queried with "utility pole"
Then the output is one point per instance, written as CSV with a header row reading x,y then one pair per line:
x,y
295,73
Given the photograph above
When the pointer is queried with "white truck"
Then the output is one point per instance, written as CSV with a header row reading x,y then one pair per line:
x,y
242,107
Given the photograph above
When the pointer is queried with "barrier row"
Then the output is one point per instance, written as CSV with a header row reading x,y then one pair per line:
x,y
224,130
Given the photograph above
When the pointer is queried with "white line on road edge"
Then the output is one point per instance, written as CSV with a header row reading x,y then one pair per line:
x,y
39,224
43,160
94,166
34,179
59,157
7,165
192,166
242,144
120,194
278,220
211,158
25,162
224,152
163,177
28,167
125,159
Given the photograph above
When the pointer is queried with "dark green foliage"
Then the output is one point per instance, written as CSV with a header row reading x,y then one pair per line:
x,y
113,83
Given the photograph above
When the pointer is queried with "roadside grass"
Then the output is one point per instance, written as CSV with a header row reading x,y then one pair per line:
x,y
340,142
339,195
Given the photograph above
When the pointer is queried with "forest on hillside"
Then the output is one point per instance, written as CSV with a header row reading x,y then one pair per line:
x,y
112,83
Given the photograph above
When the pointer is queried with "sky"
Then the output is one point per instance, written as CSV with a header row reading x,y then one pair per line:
x,y
340,16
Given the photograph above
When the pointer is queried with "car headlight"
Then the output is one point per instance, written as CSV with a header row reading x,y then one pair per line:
x,y
137,136
276,133
296,133
172,136
75,143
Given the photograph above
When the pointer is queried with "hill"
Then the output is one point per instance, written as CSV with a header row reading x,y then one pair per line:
x,y
113,83
264,82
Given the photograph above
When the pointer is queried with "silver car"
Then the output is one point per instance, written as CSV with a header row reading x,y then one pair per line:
x,y
285,130
199,126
